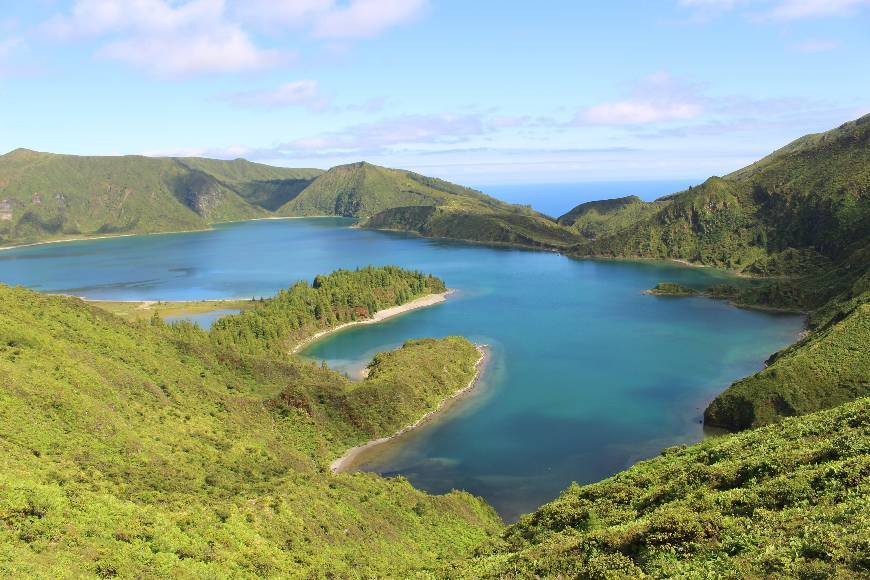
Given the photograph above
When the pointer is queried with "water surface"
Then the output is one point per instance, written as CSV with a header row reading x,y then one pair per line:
x,y
587,375
204,320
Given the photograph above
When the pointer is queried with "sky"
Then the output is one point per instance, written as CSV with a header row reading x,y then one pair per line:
x,y
475,92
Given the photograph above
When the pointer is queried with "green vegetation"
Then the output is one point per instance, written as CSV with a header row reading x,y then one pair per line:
x,y
141,449
151,450
515,225
418,376
829,367
801,218
672,289
298,312
145,310
789,500
596,219
45,196
362,189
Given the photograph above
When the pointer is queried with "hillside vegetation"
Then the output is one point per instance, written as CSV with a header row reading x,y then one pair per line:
x,y
44,196
596,219
784,501
303,309
150,450
362,189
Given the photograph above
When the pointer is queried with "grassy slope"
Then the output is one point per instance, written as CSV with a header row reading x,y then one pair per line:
x,y
145,310
829,367
809,198
362,189
789,500
57,196
597,219
517,227
148,450
264,186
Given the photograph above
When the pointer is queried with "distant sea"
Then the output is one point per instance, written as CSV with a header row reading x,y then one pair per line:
x,y
555,199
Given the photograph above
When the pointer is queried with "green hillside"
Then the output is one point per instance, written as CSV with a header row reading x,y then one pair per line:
x,y
44,196
786,501
829,367
261,185
140,450
362,189
512,225
794,212
595,219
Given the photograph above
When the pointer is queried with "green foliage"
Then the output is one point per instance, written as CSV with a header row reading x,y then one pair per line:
x,y
672,289
789,500
146,451
47,196
362,189
829,367
301,310
261,185
596,219
516,226
420,375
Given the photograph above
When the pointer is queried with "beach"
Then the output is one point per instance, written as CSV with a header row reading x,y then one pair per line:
x,y
347,459
380,315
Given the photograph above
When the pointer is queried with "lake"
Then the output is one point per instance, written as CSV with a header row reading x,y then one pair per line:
x,y
586,375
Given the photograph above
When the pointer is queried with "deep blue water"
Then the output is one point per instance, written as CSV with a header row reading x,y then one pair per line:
x,y
587,375
555,199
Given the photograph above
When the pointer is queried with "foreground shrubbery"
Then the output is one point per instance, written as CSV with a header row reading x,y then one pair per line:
x,y
788,500
829,367
140,450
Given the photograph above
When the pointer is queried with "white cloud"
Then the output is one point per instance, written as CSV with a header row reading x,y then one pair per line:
x,y
184,37
639,113
657,98
304,93
796,9
163,37
365,18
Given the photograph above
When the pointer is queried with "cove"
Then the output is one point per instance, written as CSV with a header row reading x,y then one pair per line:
x,y
586,374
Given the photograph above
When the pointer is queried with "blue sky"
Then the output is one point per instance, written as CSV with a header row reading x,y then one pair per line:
x,y
476,92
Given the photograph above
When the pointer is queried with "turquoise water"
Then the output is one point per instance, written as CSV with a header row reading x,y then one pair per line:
x,y
587,375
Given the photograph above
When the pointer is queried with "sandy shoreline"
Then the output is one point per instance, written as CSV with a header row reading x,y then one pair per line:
x,y
346,460
422,302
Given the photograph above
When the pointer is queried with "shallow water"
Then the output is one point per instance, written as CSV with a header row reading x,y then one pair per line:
x,y
204,320
587,375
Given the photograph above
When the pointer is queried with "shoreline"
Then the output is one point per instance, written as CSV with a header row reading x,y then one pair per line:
x,y
210,228
343,463
105,237
379,316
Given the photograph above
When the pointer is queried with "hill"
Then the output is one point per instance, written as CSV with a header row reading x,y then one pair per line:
x,y
147,450
362,190
44,196
783,501
150,450
595,219
797,211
